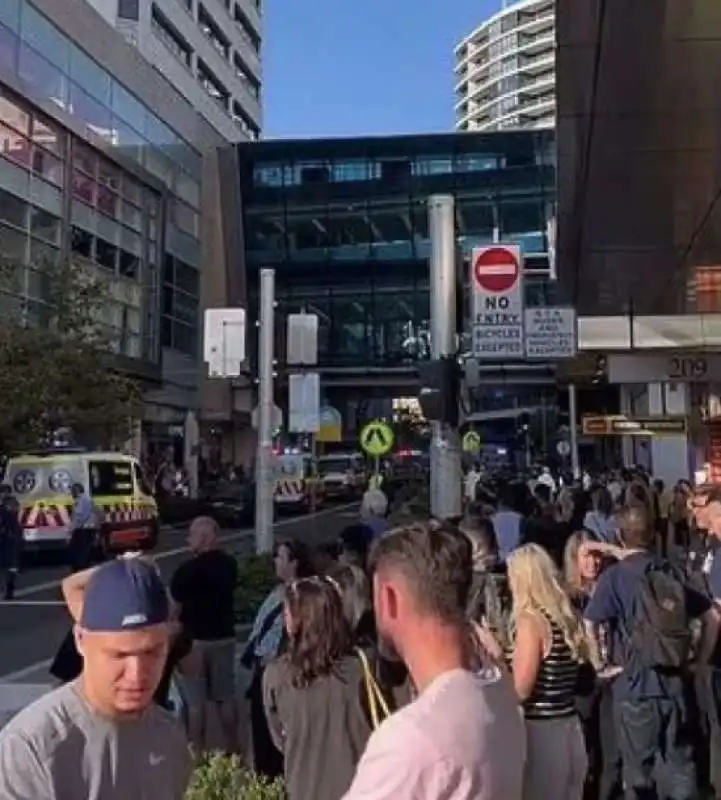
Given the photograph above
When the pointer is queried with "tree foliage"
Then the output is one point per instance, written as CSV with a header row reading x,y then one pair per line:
x,y
56,367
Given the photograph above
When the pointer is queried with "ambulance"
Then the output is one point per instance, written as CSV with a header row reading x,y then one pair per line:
x,y
41,481
297,485
343,474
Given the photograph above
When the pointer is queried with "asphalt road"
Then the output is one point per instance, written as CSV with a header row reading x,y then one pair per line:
x,y
33,625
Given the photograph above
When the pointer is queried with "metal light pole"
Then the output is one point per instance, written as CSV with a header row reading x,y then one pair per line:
x,y
446,472
264,456
573,425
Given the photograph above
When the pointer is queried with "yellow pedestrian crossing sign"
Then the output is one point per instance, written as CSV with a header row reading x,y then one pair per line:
x,y
377,438
471,442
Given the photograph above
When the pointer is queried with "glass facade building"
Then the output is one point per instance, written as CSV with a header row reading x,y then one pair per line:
x,y
54,70
60,198
344,223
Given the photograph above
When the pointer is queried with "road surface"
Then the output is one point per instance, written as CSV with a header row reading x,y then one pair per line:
x,y
33,625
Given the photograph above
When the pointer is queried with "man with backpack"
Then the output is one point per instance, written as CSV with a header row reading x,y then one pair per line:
x,y
649,606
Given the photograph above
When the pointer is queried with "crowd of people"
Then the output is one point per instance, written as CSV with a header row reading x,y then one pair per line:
x,y
552,643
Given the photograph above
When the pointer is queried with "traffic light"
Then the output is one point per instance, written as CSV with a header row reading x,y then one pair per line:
x,y
440,384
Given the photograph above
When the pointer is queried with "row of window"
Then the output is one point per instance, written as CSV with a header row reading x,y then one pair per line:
x,y
301,173
211,83
43,56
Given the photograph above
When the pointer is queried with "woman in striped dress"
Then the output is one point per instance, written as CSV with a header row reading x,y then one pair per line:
x,y
550,644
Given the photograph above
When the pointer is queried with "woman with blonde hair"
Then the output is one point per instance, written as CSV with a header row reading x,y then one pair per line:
x,y
550,644
581,568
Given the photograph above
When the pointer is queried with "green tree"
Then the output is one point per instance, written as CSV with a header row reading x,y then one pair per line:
x,y
56,359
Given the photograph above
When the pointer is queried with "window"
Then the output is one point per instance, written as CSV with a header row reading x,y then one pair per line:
x,y
185,218
47,135
81,242
106,254
47,166
14,146
241,119
14,115
13,210
110,478
246,29
251,83
44,225
43,76
187,278
44,37
129,264
209,27
95,115
90,76
170,37
83,187
212,85
10,14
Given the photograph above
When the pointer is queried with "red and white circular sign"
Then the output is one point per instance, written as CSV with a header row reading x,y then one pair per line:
x,y
496,269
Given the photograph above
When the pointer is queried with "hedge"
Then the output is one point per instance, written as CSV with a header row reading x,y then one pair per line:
x,y
221,777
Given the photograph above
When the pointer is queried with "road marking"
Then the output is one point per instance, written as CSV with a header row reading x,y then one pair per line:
x,y
28,591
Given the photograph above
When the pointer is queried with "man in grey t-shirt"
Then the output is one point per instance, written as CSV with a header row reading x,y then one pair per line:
x,y
102,737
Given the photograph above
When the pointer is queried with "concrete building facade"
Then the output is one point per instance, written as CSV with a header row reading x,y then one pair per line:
x,y
505,70
209,50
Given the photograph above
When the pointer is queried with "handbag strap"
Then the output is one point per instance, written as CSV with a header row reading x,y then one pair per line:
x,y
376,701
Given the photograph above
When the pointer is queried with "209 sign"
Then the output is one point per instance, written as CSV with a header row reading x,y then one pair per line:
x,y
687,368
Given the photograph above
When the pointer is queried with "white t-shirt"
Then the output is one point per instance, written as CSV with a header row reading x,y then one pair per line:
x,y
462,739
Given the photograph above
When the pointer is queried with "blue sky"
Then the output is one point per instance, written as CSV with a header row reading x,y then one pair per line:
x,y
354,67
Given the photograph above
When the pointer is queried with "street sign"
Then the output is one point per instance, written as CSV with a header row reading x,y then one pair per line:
x,y
471,442
550,333
331,425
497,283
377,438
680,367
277,418
563,448
302,340
620,425
224,341
304,403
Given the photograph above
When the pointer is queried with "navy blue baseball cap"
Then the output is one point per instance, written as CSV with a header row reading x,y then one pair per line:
x,y
123,595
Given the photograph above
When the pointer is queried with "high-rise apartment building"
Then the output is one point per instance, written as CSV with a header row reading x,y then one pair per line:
x,y
209,50
505,70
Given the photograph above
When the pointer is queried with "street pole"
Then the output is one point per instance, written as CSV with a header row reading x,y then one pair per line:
x,y
446,470
573,425
263,462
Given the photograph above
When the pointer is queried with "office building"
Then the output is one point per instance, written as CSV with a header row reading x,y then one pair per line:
x,y
344,223
209,50
102,161
639,222
505,70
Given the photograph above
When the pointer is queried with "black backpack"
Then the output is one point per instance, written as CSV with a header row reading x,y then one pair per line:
x,y
659,632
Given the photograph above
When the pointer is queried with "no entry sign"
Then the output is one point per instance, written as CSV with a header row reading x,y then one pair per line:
x,y
496,269
497,276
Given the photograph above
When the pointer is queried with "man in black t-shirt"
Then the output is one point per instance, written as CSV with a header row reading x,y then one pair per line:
x,y
204,588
